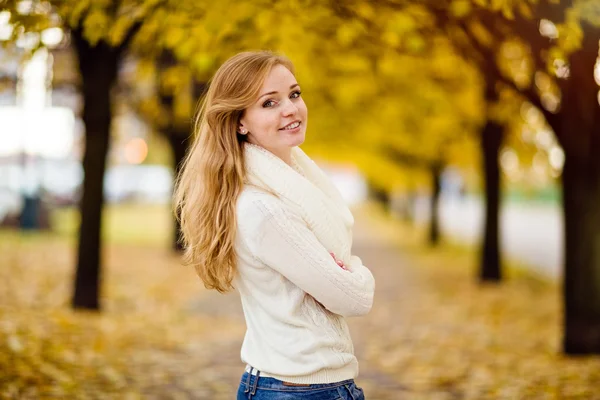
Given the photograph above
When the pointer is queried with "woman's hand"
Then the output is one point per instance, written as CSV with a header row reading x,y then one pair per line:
x,y
340,263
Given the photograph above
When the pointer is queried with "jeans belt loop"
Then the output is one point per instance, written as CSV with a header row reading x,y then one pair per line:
x,y
255,383
248,381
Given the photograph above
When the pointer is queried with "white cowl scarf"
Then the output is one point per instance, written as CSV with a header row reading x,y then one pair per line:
x,y
305,188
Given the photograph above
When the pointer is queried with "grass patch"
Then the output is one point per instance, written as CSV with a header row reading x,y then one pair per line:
x,y
136,224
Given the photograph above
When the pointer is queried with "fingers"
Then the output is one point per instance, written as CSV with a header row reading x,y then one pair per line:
x,y
340,263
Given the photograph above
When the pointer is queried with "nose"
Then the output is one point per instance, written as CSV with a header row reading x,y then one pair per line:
x,y
289,108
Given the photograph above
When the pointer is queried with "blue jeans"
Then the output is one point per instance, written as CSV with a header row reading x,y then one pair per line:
x,y
260,388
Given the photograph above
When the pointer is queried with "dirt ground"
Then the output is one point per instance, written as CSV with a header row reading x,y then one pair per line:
x,y
433,333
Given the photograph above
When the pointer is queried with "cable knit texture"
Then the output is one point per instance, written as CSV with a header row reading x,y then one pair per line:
x,y
294,295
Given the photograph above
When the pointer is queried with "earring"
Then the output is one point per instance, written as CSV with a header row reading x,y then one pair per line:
x,y
242,131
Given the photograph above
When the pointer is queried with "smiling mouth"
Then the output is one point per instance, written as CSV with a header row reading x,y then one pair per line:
x,y
291,126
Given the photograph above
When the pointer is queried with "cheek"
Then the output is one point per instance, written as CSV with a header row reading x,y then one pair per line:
x,y
271,121
261,120
267,121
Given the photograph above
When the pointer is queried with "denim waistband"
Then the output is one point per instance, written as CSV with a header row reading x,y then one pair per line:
x,y
253,379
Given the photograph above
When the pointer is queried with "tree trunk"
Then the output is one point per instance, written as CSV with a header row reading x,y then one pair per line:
x,y
179,145
578,130
491,142
98,68
581,196
380,195
434,222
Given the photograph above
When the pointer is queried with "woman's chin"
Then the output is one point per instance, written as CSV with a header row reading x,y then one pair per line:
x,y
296,139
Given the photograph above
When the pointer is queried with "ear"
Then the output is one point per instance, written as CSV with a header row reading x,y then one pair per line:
x,y
241,129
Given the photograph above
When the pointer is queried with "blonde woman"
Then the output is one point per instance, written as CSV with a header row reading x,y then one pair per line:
x,y
258,214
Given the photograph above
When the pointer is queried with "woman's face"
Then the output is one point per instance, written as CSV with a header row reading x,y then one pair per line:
x,y
277,119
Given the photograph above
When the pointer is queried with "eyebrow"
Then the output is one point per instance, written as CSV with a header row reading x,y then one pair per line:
x,y
270,93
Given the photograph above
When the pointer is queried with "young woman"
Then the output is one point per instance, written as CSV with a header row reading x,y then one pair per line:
x,y
258,214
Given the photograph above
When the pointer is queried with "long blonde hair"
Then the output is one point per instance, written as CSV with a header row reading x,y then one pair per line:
x,y
212,174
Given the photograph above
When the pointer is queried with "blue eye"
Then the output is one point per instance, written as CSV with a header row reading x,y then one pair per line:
x,y
270,103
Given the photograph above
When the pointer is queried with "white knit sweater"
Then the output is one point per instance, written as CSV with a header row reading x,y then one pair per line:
x,y
294,295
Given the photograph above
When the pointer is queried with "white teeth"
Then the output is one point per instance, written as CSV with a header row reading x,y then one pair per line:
x,y
292,126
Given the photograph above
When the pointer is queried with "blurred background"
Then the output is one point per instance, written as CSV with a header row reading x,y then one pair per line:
x,y
463,133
